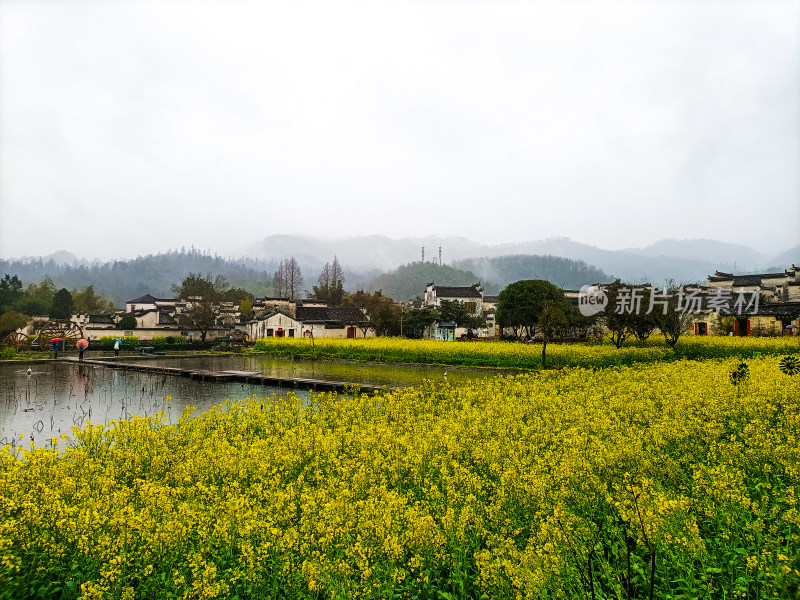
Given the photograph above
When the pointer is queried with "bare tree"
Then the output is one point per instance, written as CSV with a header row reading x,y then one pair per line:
x,y
551,317
619,316
677,313
293,278
279,280
331,283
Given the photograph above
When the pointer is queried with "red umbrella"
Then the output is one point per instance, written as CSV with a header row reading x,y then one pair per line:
x,y
55,340
82,344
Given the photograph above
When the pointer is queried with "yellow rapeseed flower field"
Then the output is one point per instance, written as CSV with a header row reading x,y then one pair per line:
x,y
527,356
659,480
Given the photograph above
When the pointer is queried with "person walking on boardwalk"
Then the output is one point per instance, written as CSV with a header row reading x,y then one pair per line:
x,y
55,349
116,348
81,344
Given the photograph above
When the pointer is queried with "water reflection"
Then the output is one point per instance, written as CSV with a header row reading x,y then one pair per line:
x,y
392,375
54,397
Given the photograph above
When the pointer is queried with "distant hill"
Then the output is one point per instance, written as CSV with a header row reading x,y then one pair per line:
x,y
681,260
564,272
712,251
370,262
408,281
154,274
786,259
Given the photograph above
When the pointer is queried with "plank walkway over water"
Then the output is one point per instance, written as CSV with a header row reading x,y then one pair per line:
x,y
253,377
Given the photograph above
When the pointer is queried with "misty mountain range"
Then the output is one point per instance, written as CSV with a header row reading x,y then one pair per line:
x,y
682,260
396,266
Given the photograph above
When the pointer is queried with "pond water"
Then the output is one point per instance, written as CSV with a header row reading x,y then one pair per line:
x,y
57,396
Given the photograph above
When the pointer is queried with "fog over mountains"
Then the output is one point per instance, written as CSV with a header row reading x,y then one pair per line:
x,y
682,260
395,266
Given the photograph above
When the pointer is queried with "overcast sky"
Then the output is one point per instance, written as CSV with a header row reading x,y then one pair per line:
x,y
133,127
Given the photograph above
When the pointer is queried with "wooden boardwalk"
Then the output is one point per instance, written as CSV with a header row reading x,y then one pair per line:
x,y
252,377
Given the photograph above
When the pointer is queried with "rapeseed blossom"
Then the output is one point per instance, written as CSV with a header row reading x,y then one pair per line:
x,y
527,356
566,483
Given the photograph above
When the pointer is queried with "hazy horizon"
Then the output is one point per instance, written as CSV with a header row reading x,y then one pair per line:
x,y
453,248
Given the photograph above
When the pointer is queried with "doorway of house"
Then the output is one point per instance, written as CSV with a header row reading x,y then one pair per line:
x,y
742,327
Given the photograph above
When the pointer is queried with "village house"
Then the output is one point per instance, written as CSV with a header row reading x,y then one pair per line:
x,y
776,312
155,317
310,318
333,321
273,324
778,287
472,299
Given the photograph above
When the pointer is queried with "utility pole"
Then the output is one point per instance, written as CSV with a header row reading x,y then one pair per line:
x,y
423,254
440,256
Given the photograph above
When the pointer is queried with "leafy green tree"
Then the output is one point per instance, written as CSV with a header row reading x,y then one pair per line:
x,y
203,295
385,318
87,301
62,305
578,325
10,291
127,322
623,314
36,299
409,280
246,308
237,294
454,311
416,320
381,314
520,304
365,302
10,321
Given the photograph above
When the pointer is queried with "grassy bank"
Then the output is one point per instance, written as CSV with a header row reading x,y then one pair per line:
x,y
648,481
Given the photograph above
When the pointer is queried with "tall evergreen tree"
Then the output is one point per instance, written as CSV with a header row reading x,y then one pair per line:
x,y
62,305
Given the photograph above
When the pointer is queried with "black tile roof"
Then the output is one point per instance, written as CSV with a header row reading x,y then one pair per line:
x,y
456,292
780,309
101,319
741,280
720,276
328,314
146,299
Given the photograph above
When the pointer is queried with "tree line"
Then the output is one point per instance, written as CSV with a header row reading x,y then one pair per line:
x,y
18,302
529,308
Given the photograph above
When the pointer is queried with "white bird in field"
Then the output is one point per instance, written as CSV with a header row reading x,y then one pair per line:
x,y
29,371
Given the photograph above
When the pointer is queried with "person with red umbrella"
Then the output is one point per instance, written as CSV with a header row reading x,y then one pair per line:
x,y
81,344
55,342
